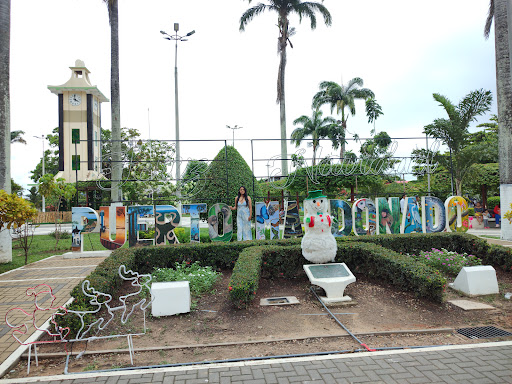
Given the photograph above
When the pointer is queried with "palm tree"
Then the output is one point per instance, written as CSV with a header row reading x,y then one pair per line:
x,y
373,111
5,143
342,97
315,126
454,131
500,10
115,102
16,137
284,9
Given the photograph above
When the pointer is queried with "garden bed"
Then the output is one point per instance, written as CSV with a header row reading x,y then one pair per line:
x,y
279,330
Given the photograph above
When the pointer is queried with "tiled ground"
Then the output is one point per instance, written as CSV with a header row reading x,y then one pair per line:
x,y
60,274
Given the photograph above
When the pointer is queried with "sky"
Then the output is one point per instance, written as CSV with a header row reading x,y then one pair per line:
x,y
403,50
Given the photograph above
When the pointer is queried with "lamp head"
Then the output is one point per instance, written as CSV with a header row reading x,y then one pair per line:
x,y
190,33
176,27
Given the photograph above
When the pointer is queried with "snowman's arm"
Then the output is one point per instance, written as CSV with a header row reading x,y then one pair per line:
x,y
310,221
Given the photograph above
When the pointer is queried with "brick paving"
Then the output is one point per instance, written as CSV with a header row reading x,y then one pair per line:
x,y
59,273
472,364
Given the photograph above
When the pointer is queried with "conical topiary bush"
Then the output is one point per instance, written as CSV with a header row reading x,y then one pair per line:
x,y
225,175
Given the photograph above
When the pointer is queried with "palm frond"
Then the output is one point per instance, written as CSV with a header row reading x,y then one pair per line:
x,y
474,104
250,14
448,106
355,81
312,7
490,17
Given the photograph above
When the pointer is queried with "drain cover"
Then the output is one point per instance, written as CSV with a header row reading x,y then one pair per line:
x,y
483,332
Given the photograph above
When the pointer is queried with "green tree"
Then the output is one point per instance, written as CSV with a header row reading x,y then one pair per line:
x,y
51,157
147,171
377,145
454,133
315,126
484,180
194,176
14,210
16,214
343,99
55,191
333,184
373,111
115,102
284,8
486,140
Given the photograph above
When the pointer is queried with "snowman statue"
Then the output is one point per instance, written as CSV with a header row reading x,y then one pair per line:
x,y
318,244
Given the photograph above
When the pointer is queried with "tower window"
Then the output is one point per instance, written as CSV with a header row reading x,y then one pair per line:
x,y
75,136
75,163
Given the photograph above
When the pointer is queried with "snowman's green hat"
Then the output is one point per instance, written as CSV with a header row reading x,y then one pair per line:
x,y
315,195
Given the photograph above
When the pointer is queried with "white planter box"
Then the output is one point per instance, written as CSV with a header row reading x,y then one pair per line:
x,y
170,298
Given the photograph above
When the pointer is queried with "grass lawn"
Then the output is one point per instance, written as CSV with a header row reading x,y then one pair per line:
x,y
43,246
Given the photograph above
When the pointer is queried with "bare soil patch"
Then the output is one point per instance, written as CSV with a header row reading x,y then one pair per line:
x,y
382,317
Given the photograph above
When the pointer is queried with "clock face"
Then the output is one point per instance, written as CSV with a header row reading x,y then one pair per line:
x,y
75,99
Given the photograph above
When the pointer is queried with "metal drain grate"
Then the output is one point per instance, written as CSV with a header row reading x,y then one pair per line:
x,y
483,332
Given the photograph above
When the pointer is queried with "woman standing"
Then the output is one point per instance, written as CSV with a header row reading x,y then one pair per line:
x,y
243,205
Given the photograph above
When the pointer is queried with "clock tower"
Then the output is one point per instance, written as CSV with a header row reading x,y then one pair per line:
x,y
79,126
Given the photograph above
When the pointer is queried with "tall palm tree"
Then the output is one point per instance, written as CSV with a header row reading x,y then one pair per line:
x,y
284,9
342,97
315,126
115,101
5,143
454,131
16,137
500,11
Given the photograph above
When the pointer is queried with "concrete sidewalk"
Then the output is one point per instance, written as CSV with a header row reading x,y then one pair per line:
x,y
475,363
60,273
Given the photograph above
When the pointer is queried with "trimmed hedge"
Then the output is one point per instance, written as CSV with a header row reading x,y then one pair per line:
x,y
383,257
495,255
373,260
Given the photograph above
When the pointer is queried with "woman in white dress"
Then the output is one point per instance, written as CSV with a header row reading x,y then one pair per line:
x,y
243,205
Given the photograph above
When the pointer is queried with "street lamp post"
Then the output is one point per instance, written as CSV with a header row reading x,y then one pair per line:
x,y
177,38
233,129
43,202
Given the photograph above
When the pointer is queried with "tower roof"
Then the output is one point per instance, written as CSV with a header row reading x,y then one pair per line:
x,y
79,81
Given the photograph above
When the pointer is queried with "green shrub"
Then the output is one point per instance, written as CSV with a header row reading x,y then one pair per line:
x,y
445,261
201,279
246,276
493,201
401,271
62,234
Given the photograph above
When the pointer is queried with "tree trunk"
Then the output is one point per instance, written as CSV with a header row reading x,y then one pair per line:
x,y
282,114
503,44
5,129
343,132
115,103
483,192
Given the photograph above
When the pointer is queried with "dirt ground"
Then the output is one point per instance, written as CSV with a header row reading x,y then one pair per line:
x,y
380,317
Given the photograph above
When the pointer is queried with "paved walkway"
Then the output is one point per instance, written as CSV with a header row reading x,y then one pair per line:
x,y
480,363
60,273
